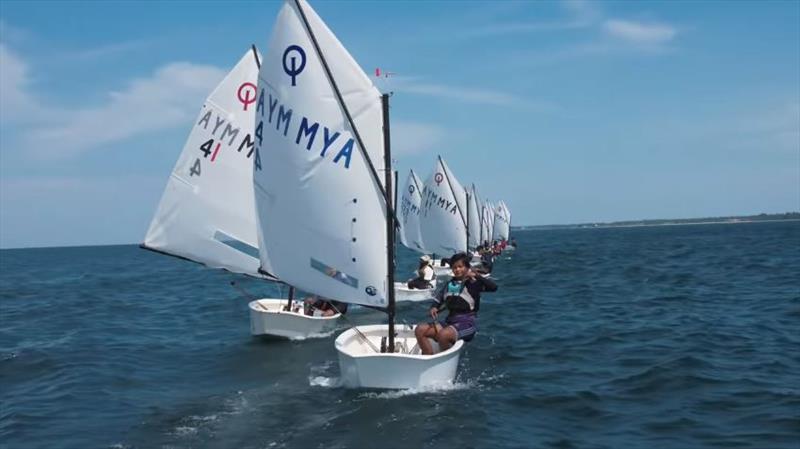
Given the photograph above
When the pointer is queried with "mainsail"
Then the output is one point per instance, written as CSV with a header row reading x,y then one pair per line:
x,y
410,203
207,211
501,226
473,219
320,203
490,219
443,213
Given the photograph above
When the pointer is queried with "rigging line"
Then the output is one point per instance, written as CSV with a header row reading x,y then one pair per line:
x,y
355,328
265,276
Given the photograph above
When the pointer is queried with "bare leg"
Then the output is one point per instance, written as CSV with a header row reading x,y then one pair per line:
x,y
447,338
423,332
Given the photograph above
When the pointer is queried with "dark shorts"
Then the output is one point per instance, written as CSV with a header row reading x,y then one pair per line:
x,y
465,324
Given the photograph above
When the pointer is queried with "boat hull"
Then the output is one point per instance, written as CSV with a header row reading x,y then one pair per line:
x,y
267,317
362,367
405,294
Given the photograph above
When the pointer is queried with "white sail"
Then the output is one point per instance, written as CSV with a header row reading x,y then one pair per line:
x,y
409,209
507,214
207,211
321,212
473,219
501,228
490,220
484,225
442,215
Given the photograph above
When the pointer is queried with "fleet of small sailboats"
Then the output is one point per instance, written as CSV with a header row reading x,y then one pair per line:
x,y
287,177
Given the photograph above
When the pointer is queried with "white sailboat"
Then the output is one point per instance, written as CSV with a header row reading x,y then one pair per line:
x,y
443,219
207,211
324,188
473,220
501,222
411,236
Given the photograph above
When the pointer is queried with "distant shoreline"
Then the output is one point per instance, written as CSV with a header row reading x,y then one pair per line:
x,y
763,218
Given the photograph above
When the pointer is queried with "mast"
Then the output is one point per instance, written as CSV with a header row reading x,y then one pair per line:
x,y
390,222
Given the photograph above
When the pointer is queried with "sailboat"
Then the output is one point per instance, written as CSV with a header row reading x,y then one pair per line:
x,y
502,222
207,211
323,186
411,236
443,218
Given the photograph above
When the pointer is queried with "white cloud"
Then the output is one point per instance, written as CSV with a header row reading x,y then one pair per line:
x,y
463,94
169,97
16,103
580,14
639,33
415,137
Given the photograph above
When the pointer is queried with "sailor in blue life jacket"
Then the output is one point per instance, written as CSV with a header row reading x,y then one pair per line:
x,y
462,297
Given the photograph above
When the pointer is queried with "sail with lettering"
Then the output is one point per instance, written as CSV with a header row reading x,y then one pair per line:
x,y
410,203
473,219
443,212
320,202
207,211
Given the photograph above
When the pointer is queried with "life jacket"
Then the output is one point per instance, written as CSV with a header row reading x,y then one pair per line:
x,y
458,299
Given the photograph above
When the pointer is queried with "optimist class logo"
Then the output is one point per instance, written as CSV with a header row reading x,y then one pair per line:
x,y
290,64
438,178
246,94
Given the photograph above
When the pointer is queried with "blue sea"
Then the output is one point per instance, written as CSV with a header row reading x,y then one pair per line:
x,y
649,337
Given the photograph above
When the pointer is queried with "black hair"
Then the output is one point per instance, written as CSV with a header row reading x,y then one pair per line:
x,y
463,257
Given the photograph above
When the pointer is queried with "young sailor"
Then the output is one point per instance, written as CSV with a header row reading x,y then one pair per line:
x,y
327,307
462,297
425,274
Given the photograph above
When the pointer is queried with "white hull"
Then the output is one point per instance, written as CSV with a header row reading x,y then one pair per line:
x,y
362,367
267,317
403,293
440,270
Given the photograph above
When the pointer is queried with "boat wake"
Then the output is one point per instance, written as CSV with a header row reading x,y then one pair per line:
x,y
442,388
314,336
325,382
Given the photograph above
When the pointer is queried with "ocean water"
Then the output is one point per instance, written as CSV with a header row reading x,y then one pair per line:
x,y
667,337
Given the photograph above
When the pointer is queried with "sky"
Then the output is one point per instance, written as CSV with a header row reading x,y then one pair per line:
x,y
569,111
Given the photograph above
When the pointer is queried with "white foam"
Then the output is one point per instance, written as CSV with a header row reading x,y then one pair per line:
x,y
443,388
185,430
325,382
314,336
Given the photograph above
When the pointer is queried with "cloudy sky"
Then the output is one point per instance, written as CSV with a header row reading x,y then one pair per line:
x,y
569,111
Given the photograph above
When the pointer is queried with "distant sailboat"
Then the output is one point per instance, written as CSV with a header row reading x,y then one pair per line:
x,y
443,218
411,236
325,188
207,211
502,222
